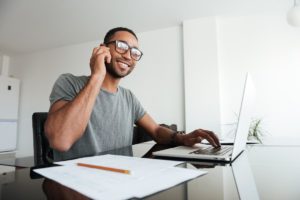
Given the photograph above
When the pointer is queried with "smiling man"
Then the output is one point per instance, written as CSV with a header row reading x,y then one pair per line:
x,y
91,114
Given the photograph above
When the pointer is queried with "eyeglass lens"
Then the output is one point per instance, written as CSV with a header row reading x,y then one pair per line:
x,y
122,47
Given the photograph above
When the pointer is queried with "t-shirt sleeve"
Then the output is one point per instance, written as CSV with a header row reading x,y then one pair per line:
x,y
63,89
139,110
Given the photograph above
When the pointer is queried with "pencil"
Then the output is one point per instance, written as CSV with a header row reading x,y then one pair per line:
x,y
124,171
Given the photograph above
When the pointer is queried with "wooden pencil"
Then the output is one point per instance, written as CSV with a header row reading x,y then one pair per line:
x,y
124,171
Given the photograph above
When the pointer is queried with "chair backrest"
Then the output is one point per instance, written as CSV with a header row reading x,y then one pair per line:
x,y
43,154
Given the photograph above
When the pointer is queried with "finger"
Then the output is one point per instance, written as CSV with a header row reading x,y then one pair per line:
x,y
101,57
214,136
99,51
102,49
92,61
205,135
108,58
98,47
106,52
211,140
94,50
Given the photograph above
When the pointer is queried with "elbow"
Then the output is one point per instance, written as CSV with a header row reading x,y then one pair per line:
x,y
55,141
59,146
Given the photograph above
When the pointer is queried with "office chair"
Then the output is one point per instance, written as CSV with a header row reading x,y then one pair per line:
x,y
43,154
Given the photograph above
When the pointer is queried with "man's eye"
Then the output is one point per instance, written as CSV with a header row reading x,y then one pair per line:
x,y
122,46
136,52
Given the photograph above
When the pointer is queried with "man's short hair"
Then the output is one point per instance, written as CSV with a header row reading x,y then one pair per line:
x,y
111,32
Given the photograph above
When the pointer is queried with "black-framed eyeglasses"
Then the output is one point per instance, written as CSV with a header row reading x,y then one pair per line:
x,y
122,47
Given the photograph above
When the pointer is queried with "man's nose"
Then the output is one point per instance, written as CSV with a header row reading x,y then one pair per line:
x,y
127,55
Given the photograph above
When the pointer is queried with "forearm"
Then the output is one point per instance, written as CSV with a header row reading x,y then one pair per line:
x,y
66,124
167,136
160,134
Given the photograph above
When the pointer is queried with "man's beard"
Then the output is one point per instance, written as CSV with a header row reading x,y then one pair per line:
x,y
113,72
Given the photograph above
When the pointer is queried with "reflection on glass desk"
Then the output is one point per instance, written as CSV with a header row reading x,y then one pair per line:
x,y
261,172
18,162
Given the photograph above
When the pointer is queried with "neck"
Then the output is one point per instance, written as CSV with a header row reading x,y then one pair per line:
x,y
110,83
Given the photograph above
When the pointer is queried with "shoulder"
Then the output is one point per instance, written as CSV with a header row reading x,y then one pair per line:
x,y
72,79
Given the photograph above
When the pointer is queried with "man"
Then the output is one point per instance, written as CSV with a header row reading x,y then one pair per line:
x,y
94,114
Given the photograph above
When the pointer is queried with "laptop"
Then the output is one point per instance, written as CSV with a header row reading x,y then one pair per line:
x,y
226,153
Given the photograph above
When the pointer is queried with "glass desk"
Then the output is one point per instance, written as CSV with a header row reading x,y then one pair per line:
x,y
261,172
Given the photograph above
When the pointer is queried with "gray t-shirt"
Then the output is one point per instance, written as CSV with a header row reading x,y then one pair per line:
x,y
111,122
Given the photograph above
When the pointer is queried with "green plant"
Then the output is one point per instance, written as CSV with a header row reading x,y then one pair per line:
x,y
255,130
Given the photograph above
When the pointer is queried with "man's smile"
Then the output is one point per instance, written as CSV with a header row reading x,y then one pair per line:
x,y
123,64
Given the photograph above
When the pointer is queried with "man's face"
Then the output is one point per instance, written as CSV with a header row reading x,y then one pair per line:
x,y
121,64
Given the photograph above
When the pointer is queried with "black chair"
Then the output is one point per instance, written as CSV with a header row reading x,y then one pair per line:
x,y
43,154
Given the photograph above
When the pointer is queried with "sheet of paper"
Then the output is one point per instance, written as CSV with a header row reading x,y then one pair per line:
x,y
137,166
147,176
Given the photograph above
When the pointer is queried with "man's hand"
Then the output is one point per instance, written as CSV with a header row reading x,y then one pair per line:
x,y
199,135
99,56
164,135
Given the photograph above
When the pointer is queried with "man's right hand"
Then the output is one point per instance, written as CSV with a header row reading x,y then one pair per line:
x,y
99,56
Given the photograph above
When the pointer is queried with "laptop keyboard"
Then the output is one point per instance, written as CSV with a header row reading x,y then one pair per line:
x,y
212,150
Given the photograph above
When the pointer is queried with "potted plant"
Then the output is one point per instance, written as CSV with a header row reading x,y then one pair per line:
x,y
255,130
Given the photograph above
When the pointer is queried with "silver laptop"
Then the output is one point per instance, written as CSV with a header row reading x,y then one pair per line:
x,y
225,153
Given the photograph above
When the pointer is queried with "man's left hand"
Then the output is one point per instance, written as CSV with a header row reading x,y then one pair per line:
x,y
198,135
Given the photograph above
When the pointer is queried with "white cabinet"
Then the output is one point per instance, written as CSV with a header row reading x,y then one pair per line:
x,y
8,135
9,105
9,97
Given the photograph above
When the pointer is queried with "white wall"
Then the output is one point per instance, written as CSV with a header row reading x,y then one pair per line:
x,y
201,75
156,81
265,46
268,48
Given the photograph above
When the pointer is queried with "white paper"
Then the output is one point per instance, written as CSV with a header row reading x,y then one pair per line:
x,y
147,176
137,166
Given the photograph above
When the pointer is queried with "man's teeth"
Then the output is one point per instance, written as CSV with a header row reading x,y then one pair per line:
x,y
123,64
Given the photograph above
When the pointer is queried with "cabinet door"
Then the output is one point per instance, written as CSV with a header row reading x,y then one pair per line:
x,y
9,97
8,135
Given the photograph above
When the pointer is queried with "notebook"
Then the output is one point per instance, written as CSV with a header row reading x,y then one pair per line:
x,y
226,153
